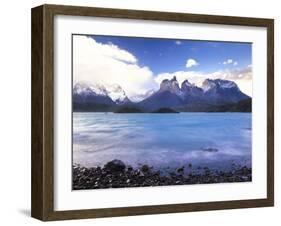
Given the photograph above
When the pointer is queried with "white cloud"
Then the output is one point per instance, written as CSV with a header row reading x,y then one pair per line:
x,y
106,63
178,42
191,62
228,61
115,52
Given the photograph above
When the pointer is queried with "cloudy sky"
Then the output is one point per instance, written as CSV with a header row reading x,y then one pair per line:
x,y
139,65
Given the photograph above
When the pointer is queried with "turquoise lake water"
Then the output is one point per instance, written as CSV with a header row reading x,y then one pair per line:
x,y
216,140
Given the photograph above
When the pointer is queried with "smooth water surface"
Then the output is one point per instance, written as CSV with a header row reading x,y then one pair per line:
x,y
216,140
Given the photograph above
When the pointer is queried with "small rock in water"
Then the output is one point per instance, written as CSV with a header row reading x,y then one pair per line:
x,y
115,166
180,170
210,149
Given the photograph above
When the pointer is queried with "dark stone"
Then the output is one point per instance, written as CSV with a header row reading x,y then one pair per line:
x,y
145,168
180,170
210,149
115,166
130,168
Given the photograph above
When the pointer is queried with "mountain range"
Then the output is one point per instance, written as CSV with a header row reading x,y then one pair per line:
x,y
213,95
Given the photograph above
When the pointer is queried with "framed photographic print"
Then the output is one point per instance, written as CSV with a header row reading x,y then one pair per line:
x,y
141,112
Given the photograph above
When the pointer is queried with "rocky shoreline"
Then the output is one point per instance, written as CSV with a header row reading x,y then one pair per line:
x,y
115,174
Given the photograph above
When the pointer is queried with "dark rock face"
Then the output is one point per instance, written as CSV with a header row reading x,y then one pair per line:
x,y
190,89
160,100
213,92
168,96
191,93
115,166
170,85
220,91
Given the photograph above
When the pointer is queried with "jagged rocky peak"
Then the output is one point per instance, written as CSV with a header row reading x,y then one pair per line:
x,y
226,84
174,79
170,85
186,85
209,84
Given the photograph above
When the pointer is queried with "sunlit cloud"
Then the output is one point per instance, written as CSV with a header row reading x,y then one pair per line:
x,y
95,62
191,63
230,62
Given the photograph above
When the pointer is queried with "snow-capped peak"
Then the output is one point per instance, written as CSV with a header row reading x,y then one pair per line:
x,y
185,84
87,89
98,89
81,88
116,93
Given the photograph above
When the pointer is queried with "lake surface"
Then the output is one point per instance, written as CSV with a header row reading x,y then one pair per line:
x,y
216,140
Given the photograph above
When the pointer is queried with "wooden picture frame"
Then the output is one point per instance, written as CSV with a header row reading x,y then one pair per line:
x,y
43,112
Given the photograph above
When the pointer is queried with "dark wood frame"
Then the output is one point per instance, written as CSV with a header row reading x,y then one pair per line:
x,y
42,203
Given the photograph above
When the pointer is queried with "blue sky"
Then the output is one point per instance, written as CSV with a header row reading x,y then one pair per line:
x,y
170,55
